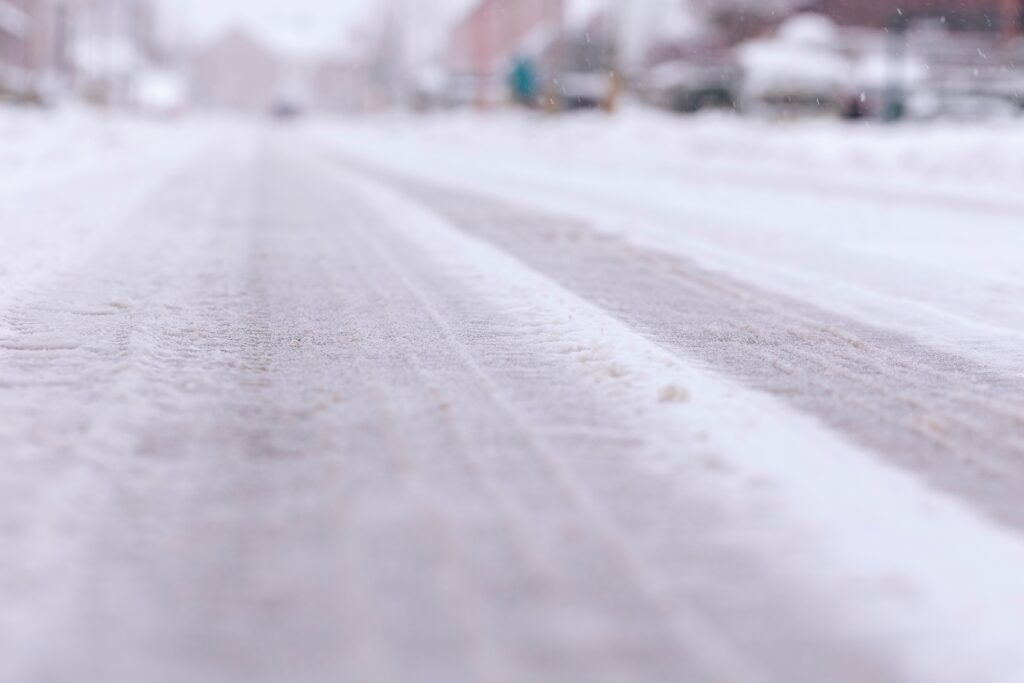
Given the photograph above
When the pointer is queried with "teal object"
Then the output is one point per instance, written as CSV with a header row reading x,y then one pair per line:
x,y
523,81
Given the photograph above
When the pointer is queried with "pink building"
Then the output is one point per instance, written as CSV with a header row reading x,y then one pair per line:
x,y
484,42
237,72
23,32
339,85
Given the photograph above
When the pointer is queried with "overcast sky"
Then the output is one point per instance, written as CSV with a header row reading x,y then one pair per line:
x,y
309,26
297,24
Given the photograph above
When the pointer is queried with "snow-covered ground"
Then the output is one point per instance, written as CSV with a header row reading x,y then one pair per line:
x,y
914,226
67,178
507,399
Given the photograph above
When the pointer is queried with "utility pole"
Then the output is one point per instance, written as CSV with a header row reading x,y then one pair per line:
x,y
616,16
399,28
895,96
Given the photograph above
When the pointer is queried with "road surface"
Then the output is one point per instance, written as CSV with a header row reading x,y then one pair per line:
x,y
289,414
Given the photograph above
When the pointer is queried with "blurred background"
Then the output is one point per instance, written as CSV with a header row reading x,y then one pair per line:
x,y
858,59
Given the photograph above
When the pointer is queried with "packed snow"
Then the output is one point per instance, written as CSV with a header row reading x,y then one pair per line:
x,y
912,226
476,391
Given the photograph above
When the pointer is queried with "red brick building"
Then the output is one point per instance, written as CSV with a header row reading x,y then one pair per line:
x,y
483,43
983,15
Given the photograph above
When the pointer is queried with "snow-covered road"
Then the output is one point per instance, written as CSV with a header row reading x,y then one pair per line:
x,y
280,407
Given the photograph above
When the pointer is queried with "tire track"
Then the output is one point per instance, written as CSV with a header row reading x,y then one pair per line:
x,y
951,420
300,449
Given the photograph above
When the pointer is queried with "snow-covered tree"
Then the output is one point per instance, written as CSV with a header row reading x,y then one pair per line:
x,y
740,19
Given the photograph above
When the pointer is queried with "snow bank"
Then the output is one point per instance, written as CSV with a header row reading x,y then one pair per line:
x,y
800,58
973,156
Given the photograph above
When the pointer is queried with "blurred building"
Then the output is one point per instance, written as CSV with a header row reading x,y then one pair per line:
x,y
96,48
15,34
34,43
239,72
111,42
340,84
946,60
980,15
484,42
950,58
859,58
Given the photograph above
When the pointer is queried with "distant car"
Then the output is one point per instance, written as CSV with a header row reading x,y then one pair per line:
x,y
285,111
585,90
689,87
